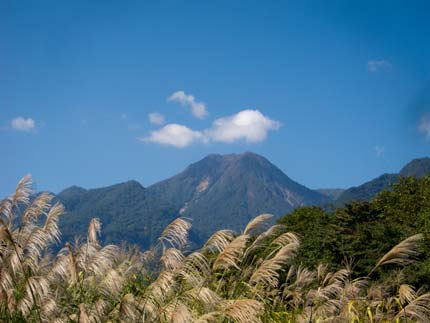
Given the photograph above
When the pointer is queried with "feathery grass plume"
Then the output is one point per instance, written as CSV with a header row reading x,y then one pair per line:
x,y
267,273
261,238
179,313
232,254
111,284
94,230
322,272
20,196
38,207
172,258
157,292
83,316
218,241
127,308
101,260
204,296
418,310
175,234
23,191
296,290
285,239
257,224
403,253
5,208
71,265
406,294
243,310
195,269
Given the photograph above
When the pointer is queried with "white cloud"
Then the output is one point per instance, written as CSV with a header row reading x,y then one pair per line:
x,y
379,65
380,151
23,124
198,109
156,118
424,125
175,135
248,125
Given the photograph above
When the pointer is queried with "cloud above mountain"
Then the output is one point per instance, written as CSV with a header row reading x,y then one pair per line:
x,y
248,125
175,135
198,109
156,118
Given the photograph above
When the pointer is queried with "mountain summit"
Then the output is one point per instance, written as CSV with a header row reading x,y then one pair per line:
x,y
222,191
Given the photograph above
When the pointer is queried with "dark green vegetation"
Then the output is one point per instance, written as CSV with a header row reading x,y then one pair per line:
x,y
219,191
361,232
127,210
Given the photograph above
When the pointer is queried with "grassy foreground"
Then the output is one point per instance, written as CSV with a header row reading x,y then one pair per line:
x,y
246,277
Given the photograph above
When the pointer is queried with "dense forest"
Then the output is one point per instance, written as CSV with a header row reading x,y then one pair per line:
x,y
365,262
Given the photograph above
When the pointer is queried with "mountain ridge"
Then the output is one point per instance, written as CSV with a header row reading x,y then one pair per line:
x,y
216,192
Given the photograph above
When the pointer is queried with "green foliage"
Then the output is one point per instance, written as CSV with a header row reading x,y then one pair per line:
x,y
361,232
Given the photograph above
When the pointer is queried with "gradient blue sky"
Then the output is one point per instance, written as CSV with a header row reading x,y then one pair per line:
x,y
348,81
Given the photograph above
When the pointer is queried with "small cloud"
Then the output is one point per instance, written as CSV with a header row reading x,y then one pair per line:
x,y
124,116
198,109
379,65
156,118
175,135
249,125
23,124
424,125
380,151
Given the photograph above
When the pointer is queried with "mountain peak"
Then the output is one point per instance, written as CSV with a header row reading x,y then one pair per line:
x,y
233,188
417,167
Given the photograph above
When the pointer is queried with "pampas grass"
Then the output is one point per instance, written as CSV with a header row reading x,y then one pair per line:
x,y
244,278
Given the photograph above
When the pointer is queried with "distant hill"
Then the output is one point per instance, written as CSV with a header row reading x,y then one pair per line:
x,y
228,190
126,210
417,167
367,190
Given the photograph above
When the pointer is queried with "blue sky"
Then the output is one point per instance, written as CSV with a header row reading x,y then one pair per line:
x,y
332,92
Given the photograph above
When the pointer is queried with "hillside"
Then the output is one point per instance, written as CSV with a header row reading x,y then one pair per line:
x,y
418,168
228,190
126,211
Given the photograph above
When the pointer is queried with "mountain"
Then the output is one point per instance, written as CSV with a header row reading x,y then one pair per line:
x,y
222,191
418,167
217,192
126,210
367,190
